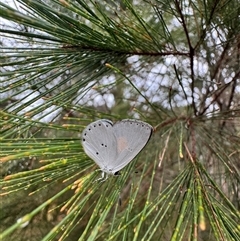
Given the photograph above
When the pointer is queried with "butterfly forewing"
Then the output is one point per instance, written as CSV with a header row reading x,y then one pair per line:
x,y
99,142
131,136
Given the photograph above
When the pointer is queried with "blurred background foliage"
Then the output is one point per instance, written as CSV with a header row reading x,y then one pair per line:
x,y
174,64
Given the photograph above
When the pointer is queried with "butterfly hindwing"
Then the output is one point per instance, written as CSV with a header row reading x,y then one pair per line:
x,y
131,136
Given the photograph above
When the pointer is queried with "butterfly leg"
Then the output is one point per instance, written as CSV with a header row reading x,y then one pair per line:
x,y
102,178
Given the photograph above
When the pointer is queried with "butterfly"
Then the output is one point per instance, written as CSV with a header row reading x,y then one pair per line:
x,y
113,146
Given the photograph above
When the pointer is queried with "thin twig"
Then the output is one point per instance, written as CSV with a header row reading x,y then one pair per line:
x,y
191,54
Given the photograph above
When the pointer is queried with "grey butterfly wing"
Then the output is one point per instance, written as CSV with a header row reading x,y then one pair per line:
x,y
131,136
99,143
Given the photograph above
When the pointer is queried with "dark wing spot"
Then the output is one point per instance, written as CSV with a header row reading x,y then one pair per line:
x,y
84,139
99,124
94,125
97,153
